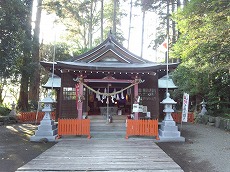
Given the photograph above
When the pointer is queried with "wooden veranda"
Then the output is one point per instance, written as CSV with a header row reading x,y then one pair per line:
x,y
103,155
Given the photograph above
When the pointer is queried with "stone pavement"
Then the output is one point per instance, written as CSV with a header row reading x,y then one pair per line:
x,y
80,154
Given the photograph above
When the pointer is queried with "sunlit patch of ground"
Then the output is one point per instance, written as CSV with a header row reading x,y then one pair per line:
x,y
16,148
24,129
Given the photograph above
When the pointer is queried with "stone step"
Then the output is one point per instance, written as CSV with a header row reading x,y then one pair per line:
x,y
104,128
101,129
107,134
104,121
115,117
104,125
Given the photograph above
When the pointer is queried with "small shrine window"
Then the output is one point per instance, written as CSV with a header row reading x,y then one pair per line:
x,y
69,93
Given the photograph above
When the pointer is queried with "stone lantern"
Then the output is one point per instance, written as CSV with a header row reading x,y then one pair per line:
x,y
168,130
47,130
203,110
13,111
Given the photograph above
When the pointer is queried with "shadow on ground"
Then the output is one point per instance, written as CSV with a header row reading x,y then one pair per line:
x,y
15,147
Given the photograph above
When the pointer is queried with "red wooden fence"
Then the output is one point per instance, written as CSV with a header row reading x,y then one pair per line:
x,y
142,128
73,127
31,116
177,117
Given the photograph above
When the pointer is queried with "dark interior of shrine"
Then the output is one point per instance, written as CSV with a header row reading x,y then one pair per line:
x,y
120,100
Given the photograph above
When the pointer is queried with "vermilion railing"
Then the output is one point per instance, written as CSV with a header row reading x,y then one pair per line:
x,y
73,127
177,117
33,117
142,128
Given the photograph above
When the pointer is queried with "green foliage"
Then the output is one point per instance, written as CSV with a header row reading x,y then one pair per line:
x,y
16,42
4,111
62,51
12,36
204,49
206,26
227,115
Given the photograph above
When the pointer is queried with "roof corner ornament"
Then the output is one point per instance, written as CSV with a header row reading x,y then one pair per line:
x,y
110,34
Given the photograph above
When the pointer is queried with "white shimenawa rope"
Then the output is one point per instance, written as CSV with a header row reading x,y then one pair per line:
x,y
110,94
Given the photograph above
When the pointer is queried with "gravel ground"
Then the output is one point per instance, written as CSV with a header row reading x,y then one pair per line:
x,y
206,148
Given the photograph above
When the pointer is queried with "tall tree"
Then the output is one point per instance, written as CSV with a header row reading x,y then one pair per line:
x,y
35,74
15,42
91,25
80,20
114,16
204,49
146,5
102,19
26,58
130,21
160,7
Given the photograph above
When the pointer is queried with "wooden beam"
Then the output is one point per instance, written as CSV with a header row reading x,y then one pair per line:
x,y
109,80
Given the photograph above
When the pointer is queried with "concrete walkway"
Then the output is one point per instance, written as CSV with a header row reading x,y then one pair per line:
x,y
114,155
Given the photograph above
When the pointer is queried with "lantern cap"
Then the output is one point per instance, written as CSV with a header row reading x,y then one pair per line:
x,y
203,102
47,99
168,100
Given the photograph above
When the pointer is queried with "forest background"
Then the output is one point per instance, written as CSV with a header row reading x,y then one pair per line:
x,y
198,32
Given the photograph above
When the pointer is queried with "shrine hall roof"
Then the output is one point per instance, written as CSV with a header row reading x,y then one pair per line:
x,y
109,51
109,55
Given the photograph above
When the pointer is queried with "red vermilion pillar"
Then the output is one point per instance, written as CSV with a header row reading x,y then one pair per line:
x,y
79,97
80,101
135,96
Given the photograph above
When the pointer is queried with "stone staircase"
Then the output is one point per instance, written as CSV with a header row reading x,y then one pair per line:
x,y
100,129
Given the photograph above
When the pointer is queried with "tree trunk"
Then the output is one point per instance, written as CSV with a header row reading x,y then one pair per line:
x,y
168,37
185,2
91,25
143,30
25,70
173,24
23,94
178,32
1,98
178,3
35,79
130,21
102,18
114,16
173,28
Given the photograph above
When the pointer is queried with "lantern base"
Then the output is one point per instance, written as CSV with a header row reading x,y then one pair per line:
x,y
169,132
35,138
47,131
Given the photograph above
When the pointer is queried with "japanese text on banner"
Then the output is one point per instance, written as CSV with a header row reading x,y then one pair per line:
x,y
185,107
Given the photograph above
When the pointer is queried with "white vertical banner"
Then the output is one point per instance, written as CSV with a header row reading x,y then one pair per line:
x,y
185,107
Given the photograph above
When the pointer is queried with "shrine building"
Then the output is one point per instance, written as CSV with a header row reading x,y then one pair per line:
x,y
108,79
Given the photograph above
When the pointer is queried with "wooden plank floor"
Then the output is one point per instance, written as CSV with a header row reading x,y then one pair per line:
x,y
103,155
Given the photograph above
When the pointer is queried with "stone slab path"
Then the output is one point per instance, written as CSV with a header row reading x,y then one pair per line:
x,y
116,155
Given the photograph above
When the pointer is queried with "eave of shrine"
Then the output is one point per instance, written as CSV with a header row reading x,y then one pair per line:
x,y
109,67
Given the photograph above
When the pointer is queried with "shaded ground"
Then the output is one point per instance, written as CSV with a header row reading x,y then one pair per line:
x,y
15,147
206,148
